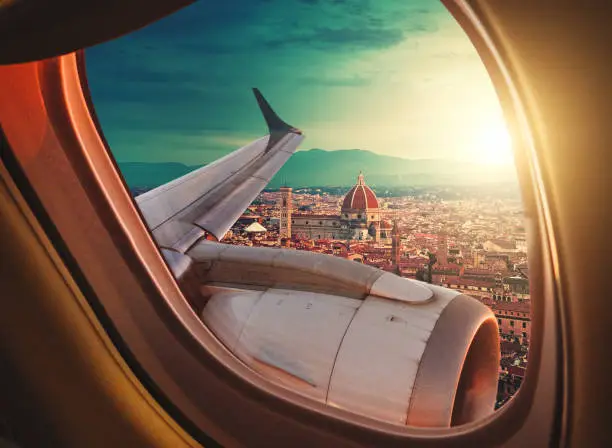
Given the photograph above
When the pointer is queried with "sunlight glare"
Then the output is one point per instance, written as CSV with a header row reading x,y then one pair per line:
x,y
493,144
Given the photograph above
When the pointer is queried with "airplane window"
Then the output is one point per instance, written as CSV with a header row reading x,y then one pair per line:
x,y
236,123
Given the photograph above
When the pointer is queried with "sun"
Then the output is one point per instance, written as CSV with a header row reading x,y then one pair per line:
x,y
493,145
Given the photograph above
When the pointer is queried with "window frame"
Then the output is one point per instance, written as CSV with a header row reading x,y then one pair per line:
x,y
58,99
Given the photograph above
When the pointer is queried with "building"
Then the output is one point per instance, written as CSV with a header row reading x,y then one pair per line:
x,y
513,318
479,258
442,252
499,245
521,244
396,249
254,229
286,208
359,219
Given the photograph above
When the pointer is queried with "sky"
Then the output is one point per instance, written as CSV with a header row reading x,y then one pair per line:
x,y
396,77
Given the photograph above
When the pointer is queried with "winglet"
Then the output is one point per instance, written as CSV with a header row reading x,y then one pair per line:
x,y
275,124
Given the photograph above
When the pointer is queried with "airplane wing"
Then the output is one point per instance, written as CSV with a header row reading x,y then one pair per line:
x,y
210,199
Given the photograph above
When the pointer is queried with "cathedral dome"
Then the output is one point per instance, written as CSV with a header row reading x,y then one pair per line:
x,y
360,197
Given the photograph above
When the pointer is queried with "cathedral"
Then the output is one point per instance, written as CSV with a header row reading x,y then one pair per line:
x,y
359,219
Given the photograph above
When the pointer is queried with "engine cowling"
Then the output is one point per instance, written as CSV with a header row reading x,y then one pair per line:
x,y
403,351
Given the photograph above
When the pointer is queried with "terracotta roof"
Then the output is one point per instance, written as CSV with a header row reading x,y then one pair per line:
x,y
521,307
472,282
413,262
487,301
360,197
504,244
249,216
509,347
478,272
447,266
517,370
425,235
305,215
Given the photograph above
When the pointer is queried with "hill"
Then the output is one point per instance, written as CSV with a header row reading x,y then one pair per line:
x,y
150,175
318,167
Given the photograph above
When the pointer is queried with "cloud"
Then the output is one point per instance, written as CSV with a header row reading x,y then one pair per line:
x,y
194,148
347,81
341,39
179,89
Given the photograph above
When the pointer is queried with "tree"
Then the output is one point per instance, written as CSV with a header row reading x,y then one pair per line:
x,y
420,275
426,275
432,260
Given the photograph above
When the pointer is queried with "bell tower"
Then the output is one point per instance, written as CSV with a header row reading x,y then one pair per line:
x,y
285,213
396,248
442,252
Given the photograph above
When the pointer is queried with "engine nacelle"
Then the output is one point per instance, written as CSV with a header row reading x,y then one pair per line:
x,y
385,347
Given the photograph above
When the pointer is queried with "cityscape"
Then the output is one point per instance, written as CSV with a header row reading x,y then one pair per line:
x,y
475,243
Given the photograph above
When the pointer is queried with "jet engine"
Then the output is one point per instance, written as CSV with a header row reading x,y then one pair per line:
x,y
350,335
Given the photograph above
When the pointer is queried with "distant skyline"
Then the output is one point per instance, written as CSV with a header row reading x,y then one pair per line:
x,y
396,77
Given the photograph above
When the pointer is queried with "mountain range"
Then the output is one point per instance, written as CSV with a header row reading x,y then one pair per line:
x,y
321,168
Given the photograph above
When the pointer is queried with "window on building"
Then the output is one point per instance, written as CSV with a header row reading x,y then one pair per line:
x,y
499,321
512,323
524,324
